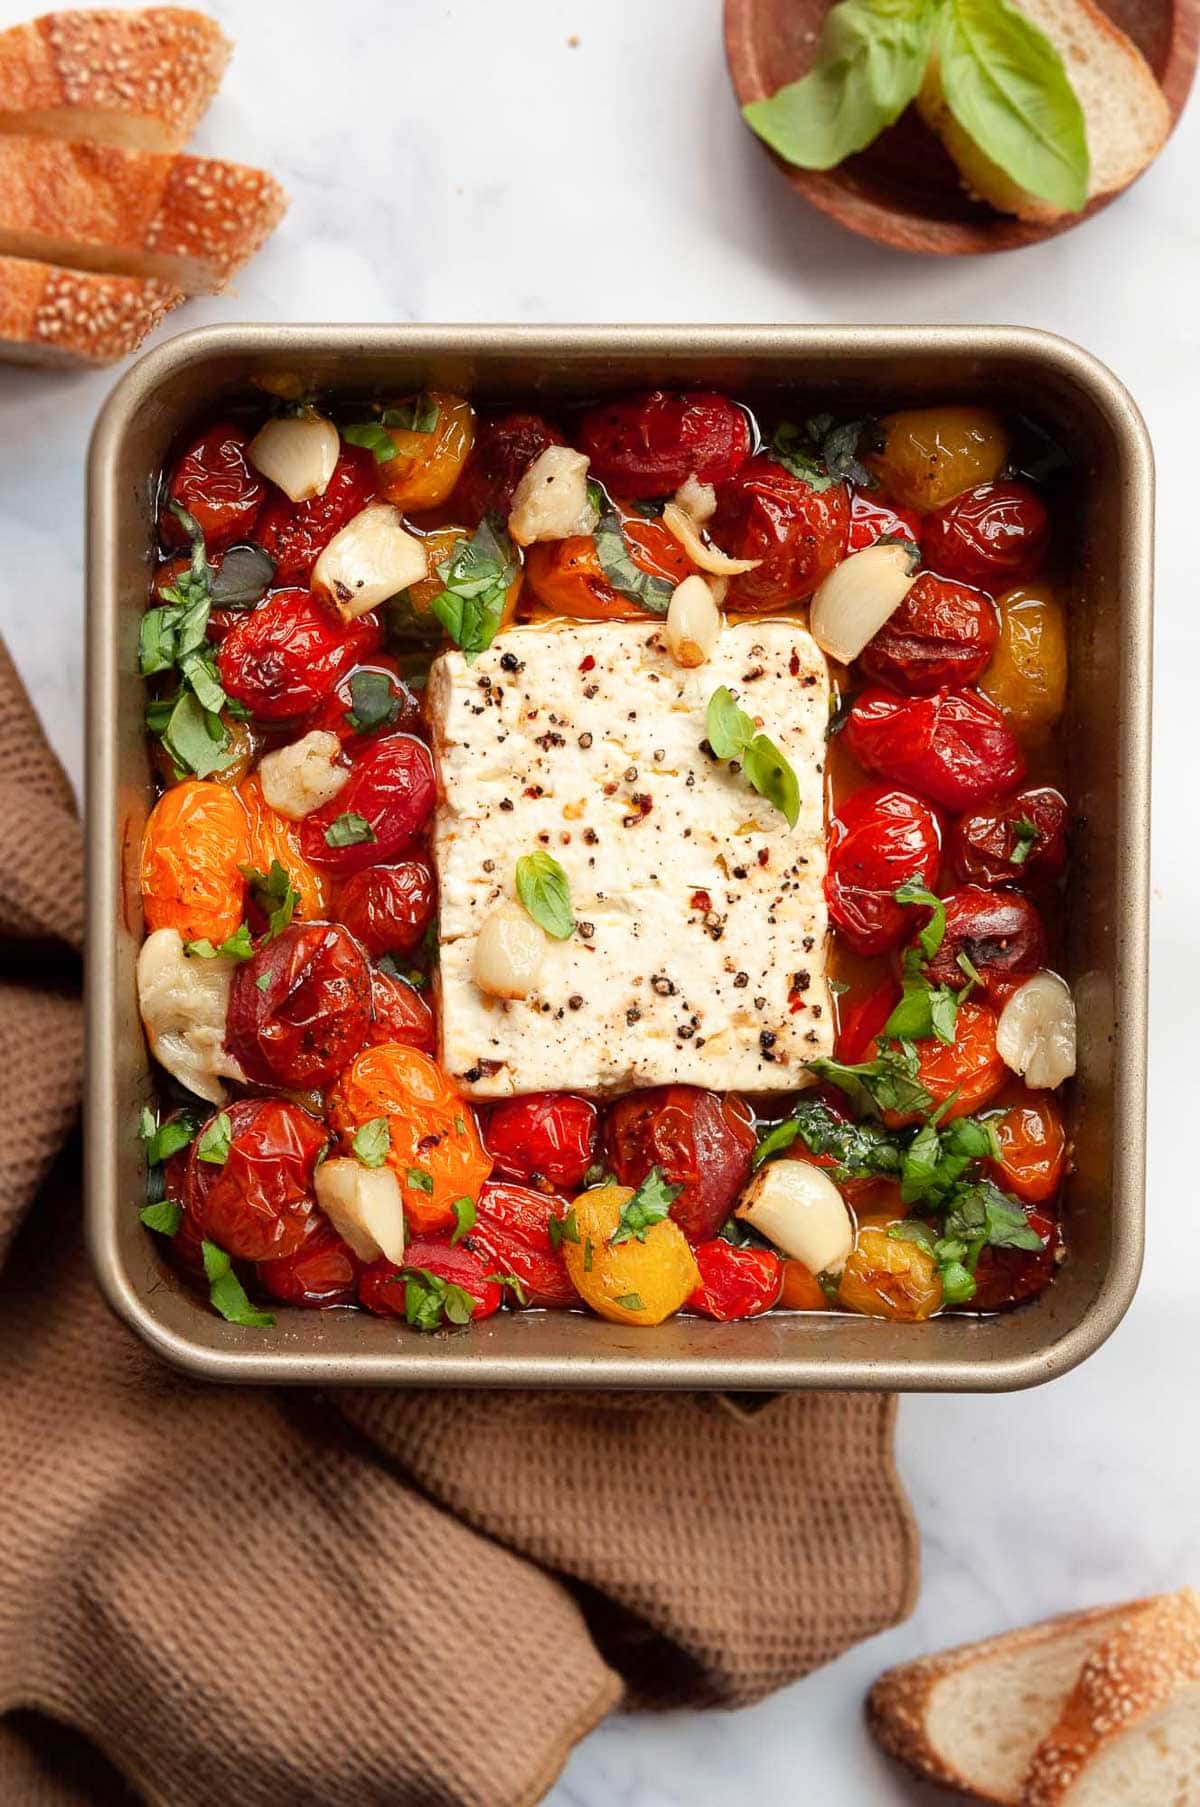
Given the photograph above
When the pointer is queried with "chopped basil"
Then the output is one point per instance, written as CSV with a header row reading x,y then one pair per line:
x,y
196,738
226,1293
263,982
958,1283
349,830
1027,835
460,1126
465,1215
418,1181
887,1083
478,576
214,1142
562,1229
929,938
982,1212
430,1301
420,415
936,1159
627,578
243,579
924,1010
275,895
793,449
513,1284
372,1142
237,946
858,1149
165,1139
373,702
165,1216
732,735
630,1302
174,637
649,1205
545,895
374,436
588,1252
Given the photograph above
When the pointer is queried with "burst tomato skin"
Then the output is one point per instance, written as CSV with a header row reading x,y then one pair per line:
x,y
300,1007
333,713
511,1235
284,657
566,577
548,1136
505,446
702,1141
880,838
381,1286
294,534
389,908
982,843
871,520
195,841
735,1283
942,634
954,748
647,445
399,1014
1007,1277
992,536
257,1204
322,1271
797,533
1001,934
969,1066
1033,1148
215,481
392,788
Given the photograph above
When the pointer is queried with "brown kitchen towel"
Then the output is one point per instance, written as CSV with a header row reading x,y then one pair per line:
x,y
213,1597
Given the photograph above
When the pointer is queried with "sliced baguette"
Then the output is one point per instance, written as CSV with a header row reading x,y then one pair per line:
x,y
1125,111
140,79
74,318
1129,1732
187,221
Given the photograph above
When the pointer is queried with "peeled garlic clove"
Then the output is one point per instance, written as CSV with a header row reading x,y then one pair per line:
x,y
304,776
298,453
364,1206
693,622
1035,1035
551,500
798,1208
857,598
372,558
680,524
509,951
697,499
184,1000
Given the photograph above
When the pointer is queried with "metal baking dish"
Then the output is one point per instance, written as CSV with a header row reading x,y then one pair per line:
x,y
1108,733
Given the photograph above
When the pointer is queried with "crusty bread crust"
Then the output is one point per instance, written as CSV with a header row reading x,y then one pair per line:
x,y
71,317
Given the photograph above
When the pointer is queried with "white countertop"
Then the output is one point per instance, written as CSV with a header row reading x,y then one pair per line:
x,y
465,161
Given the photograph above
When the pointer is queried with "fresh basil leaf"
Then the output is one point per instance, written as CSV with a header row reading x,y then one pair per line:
x,y
420,415
245,576
887,1083
958,1283
772,777
373,702
156,640
430,1301
929,938
372,1142
237,946
215,1139
513,1285
729,730
263,982
913,1230
924,1011
465,1215
226,1293
545,894
562,1229
649,1205
275,895
971,973
165,1216
349,830
199,669
983,1214
195,738
627,578
419,1181
630,1302
1005,84
1025,839
936,1160
859,1149
165,1139
793,449
374,437
478,576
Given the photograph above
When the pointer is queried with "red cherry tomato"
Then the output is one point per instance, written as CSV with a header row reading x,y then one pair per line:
x,y
879,839
994,535
300,1008
942,633
969,1066
322,1271
1006,1277
954,748
218,486
871,521
999,932
1033,1148
543,1136
504,448
392,789
797,533
512,1237
185,1247
293,533
996,847
257,1203
702,1141
860,1020
286,656
399,1014
735,1283
334,712
389,908
647,445
382,1288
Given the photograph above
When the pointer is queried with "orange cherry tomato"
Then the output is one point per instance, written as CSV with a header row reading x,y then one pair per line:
x,y
801,1289
427,465
566,578
969,1065
435,1151
195,840
275,837
1033,1148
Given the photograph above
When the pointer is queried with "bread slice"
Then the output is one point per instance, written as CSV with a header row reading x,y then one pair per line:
x,y
1130,1728
971,1718
188,221
140,79
73,318
1125,111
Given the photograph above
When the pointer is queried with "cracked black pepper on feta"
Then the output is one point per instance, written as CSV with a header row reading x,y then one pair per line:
x,y
692,897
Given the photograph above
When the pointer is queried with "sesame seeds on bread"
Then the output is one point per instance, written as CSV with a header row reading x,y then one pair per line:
x,y
68,318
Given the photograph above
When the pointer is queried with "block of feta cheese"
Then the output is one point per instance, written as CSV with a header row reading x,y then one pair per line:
x,y
699,949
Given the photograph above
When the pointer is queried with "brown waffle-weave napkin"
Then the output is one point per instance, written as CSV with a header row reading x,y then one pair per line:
x,y
274,1599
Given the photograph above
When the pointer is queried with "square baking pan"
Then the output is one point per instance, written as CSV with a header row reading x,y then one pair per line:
x,y
1108,512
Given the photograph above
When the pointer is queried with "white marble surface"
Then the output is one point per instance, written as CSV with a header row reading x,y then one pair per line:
x,y
464,162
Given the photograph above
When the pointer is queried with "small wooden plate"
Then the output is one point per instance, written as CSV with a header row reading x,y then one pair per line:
x,y
903,190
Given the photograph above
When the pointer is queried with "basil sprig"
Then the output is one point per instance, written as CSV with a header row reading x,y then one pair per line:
x,y
478,576
732,735
627,578
545,894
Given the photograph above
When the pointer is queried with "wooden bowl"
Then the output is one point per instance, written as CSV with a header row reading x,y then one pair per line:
x,y
903,190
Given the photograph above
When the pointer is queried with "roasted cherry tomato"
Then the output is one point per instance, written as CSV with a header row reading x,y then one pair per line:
x,y
322,1271
888,1277
192,850
294,533
994,535
969,1066
1033,1148
300,1007
735,1282
400,1014
954,747
943,633
872,520
504,448
1005,1277
797,533
216,483
385,1289
1027,678
999,932
273,837
702,1141
801,1290
566,578
389,908
185,1250
285,657
880,839
544,1136
932,454
392,790
256,1204
647,445
426,466
401,713
511,1234
1023,838
861,1019
435,1150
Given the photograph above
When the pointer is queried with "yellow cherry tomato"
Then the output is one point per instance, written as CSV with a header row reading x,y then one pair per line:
x,y
427,465
1027,677
628,1282
932,454
274,837
195,842
886,1277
